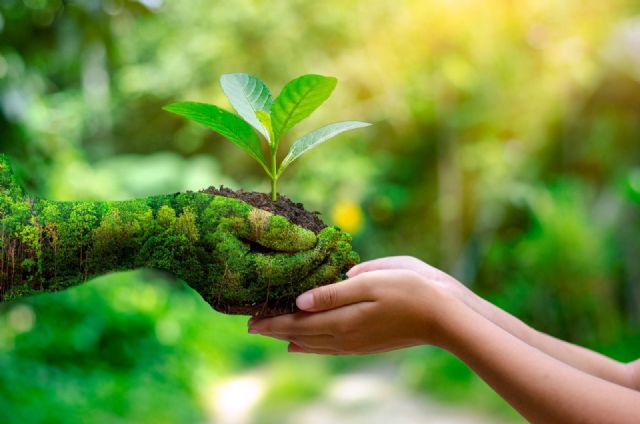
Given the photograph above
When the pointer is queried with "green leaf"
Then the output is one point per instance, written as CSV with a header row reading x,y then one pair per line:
x,y
248,95
224,123
265,120
317,137
298,99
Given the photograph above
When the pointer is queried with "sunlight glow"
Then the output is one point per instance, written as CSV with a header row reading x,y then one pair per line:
x,y
234,399
358,388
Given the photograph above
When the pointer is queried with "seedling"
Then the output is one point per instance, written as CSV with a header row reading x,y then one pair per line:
x,y
272,119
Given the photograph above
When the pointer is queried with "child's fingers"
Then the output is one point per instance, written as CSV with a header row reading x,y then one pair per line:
x,y
323,341
334,295
294,348
298,324
389,262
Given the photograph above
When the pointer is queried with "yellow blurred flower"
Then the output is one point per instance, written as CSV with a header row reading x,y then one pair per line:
x,y
348,215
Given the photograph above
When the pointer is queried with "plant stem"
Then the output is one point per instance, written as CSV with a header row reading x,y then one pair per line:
x,y
274,176
273,190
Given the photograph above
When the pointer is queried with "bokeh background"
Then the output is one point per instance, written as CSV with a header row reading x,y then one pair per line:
x,y
506,151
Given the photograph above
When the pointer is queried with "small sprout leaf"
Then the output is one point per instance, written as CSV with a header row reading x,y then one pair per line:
x,y
251,98
298,99
317,137
224,123
248,95
265,120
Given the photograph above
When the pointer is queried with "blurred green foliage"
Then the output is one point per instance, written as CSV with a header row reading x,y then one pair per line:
x,y
505,151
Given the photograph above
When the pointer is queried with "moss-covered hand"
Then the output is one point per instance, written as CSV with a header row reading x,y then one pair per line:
x,y
239,258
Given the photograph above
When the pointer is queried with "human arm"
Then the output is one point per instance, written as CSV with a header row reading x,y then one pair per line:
x,y
542,388
578,357
384,310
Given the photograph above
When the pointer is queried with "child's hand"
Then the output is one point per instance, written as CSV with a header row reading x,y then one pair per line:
x,y
372,312
447,282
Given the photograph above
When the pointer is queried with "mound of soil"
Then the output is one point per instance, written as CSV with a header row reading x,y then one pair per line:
x,y
294,212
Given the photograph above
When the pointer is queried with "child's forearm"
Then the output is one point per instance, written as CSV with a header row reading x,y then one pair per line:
x,y
576,356
543,389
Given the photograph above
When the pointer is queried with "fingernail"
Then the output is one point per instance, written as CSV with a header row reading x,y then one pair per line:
x,y
351,271
305,301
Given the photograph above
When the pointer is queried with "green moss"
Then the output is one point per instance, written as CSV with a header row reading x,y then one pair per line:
x,y
234,255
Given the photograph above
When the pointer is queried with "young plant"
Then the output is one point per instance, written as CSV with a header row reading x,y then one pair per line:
x,y
251,98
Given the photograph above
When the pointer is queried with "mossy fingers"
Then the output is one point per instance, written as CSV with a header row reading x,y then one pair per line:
x,y
333,268
285,268
278,233
271,231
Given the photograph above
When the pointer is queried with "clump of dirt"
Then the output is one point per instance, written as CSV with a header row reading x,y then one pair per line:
x,y
294,212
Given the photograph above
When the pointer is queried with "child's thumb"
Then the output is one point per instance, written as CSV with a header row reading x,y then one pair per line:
x,y
331,296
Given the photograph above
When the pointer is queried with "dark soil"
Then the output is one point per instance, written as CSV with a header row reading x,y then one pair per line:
x,y
294,212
